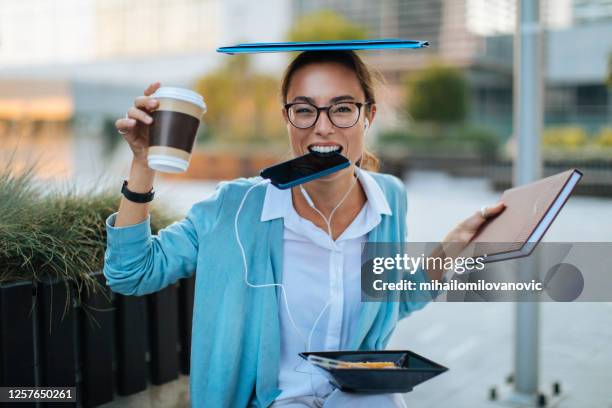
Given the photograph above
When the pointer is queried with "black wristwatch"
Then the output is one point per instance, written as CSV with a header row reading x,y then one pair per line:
x,y
136,197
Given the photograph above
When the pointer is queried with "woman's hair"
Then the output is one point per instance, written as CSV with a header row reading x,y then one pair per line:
x,y
349,59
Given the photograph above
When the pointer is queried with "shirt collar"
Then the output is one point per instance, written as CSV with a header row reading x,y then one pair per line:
x,y
277,202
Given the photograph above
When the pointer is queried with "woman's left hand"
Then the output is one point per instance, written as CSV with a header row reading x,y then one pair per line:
x,y
463,233
458,239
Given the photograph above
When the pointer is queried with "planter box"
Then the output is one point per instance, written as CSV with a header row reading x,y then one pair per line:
x,y
97,321
99,345
131,344
257,162
163,329
212,166
17,341
453,163
226,165
186,294
57,336
597,179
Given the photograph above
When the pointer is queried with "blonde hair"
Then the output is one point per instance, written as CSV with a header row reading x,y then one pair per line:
x,y
351,60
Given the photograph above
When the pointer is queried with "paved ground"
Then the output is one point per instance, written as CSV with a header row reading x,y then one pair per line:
x,y
476,340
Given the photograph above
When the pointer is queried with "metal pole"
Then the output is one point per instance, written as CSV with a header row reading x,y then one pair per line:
x,y
528,90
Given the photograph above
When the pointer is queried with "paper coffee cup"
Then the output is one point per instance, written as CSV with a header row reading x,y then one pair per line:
x,y
175,126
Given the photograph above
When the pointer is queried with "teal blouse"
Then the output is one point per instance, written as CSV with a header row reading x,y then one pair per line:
x,y
235,330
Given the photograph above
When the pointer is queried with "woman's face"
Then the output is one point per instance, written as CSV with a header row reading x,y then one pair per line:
x,y
322,84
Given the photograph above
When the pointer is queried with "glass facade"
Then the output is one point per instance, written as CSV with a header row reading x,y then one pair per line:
x,y
39,32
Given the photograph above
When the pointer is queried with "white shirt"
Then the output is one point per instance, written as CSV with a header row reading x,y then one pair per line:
x,y
317,270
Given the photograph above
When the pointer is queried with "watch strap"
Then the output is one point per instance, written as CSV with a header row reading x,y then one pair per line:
x,y
140,198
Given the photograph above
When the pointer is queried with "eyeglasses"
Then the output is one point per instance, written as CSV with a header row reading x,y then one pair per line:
x,y
304,115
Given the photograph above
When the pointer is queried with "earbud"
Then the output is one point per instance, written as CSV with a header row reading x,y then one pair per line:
x,y
366,125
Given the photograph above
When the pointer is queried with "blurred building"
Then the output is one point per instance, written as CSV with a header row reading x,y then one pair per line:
x,y
116,33
588,11
477,36
80,63
462,33
577,67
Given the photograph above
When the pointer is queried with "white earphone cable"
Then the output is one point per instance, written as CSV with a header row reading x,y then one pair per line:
x,y
246,269
327,221
307,341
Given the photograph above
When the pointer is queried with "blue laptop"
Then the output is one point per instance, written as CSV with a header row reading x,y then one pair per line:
x,y
379,44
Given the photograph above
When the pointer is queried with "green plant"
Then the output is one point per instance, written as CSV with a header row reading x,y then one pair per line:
x,y
565,137
604,137
484,140
243,105
399,137
57,235
434,139
325,25
437,94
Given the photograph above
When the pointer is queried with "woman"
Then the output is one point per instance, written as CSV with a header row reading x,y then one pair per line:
x,y
248,328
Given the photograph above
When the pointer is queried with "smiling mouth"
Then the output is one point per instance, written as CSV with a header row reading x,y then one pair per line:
x,y
324,151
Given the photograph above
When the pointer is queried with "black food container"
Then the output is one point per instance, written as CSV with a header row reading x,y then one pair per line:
x,y
412,370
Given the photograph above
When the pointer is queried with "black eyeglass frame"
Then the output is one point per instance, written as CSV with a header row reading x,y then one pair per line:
x,y
326,109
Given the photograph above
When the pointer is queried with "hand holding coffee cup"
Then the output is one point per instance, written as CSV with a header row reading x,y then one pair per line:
x,y
162,125
135,125
173,131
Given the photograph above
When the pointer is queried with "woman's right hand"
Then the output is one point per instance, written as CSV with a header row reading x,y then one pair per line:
x,y
135,126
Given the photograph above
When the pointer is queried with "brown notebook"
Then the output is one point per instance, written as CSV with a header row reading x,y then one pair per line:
x,y
530,210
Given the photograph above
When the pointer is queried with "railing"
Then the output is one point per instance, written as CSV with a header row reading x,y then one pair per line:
x,y
597,179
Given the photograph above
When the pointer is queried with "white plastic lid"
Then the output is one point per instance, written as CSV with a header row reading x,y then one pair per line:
x,y
167,164
183,94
